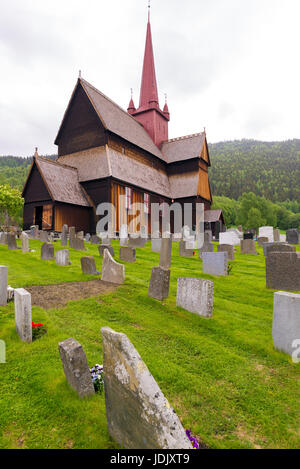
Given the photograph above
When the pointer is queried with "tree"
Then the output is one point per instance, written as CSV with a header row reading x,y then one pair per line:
x,y
11,205
255,219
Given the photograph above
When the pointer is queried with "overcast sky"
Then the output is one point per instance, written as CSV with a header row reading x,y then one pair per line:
x,y
229,65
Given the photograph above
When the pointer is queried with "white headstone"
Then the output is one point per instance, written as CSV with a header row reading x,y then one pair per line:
x,y
266,232
23,314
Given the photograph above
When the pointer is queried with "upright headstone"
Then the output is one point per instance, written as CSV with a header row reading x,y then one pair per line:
x,y
138,415
62,257
229,248
11,241
159,283
80,235
25,242
3,238
72,236
47,252
156,244
144,231
64,236
136,242
283,238
262,239
283,271
229,237
165,253
78,244
88,266
248,236
277,247
44,236
76,367
88,237
215,263
248,247
112,271
276,235
217,230
292,236
208,237
95,239
286,321
267,232
34,232
23,320
124,235
183,252
103,247
195,295
127,254
207,247
3,284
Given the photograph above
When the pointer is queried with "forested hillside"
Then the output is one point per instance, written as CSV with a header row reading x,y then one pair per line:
x,y
269,169
14,170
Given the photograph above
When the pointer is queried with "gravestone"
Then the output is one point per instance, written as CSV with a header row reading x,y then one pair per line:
x,y
78,244
215,263
3,238
286,321
248,236
208,237
183,252
229,237
267,232
72,236
156,244
195,295
283,271
159,283
236,232
276,235
112,271
165,253
25,242
3,284
88,237
262,239
88,266
103,247
240,228
207,247
34,232
23,322
136,242
127,254
62,257
95,239
292,236
124,235
144,231
283,238
64,236
277,247
80,235
76,367
248,247
44,236
138,414
47,252
229,248
11,241
217,230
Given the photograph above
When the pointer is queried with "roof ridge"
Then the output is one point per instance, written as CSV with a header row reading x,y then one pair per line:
x,y
48,160
184,137
110,100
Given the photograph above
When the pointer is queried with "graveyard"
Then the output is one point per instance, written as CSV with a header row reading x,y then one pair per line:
x,y
221,374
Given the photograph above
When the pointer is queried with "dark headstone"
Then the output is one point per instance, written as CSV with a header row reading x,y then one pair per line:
x,y
88,265
283,271
102,248
277,247
11,241
183,252
292,236
95,239
127,254
248,236
159,283
229,248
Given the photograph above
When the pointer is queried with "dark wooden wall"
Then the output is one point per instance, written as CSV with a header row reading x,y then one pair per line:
x,y
81,128
72,215
35,189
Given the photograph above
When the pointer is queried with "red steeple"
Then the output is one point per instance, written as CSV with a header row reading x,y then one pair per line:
x,y
149,113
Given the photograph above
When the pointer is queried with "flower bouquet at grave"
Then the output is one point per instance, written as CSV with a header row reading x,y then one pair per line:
x,y
38,330
97,378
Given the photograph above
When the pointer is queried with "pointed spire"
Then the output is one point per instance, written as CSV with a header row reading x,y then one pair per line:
x,y
131,107
166,109
149,95
36,155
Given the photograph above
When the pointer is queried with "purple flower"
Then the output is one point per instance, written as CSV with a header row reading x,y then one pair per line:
x,y
193,439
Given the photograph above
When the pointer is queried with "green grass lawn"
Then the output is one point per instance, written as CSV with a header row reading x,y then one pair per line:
x,y
222,375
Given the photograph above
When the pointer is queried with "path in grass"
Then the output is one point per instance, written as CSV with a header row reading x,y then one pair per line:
x,y
222,375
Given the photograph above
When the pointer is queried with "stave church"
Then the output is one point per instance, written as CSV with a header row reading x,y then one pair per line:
x,y
105,152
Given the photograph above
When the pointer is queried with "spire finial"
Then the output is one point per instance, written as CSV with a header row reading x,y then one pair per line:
x,y
79,73
149,8
131,92
166,98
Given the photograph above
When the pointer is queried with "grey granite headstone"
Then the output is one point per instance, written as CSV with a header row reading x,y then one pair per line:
x,y
208,237
95,239
215,263
3,284
159,283
292,236
283,271
3,238
76,367
23,322
80,235
78,244
277,247
165,253
47,252
156,244
207,247
103,247
72,236
88,265
25,242
62,257
64,236
112,271
138,414
276,235
229,248
183,252
262,239
286,321
44,237
248,247
195,295
88,237
127,254
124,235
136,242
11,241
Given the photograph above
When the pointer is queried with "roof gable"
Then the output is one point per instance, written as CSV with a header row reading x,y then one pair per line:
x,y
184,148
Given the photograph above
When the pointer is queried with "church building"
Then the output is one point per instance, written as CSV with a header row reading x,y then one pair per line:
x,y
105,152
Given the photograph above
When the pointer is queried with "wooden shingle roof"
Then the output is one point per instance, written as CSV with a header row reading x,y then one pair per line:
x,y
183,148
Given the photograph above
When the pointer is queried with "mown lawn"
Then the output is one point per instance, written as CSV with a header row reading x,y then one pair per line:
x,y
222,375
